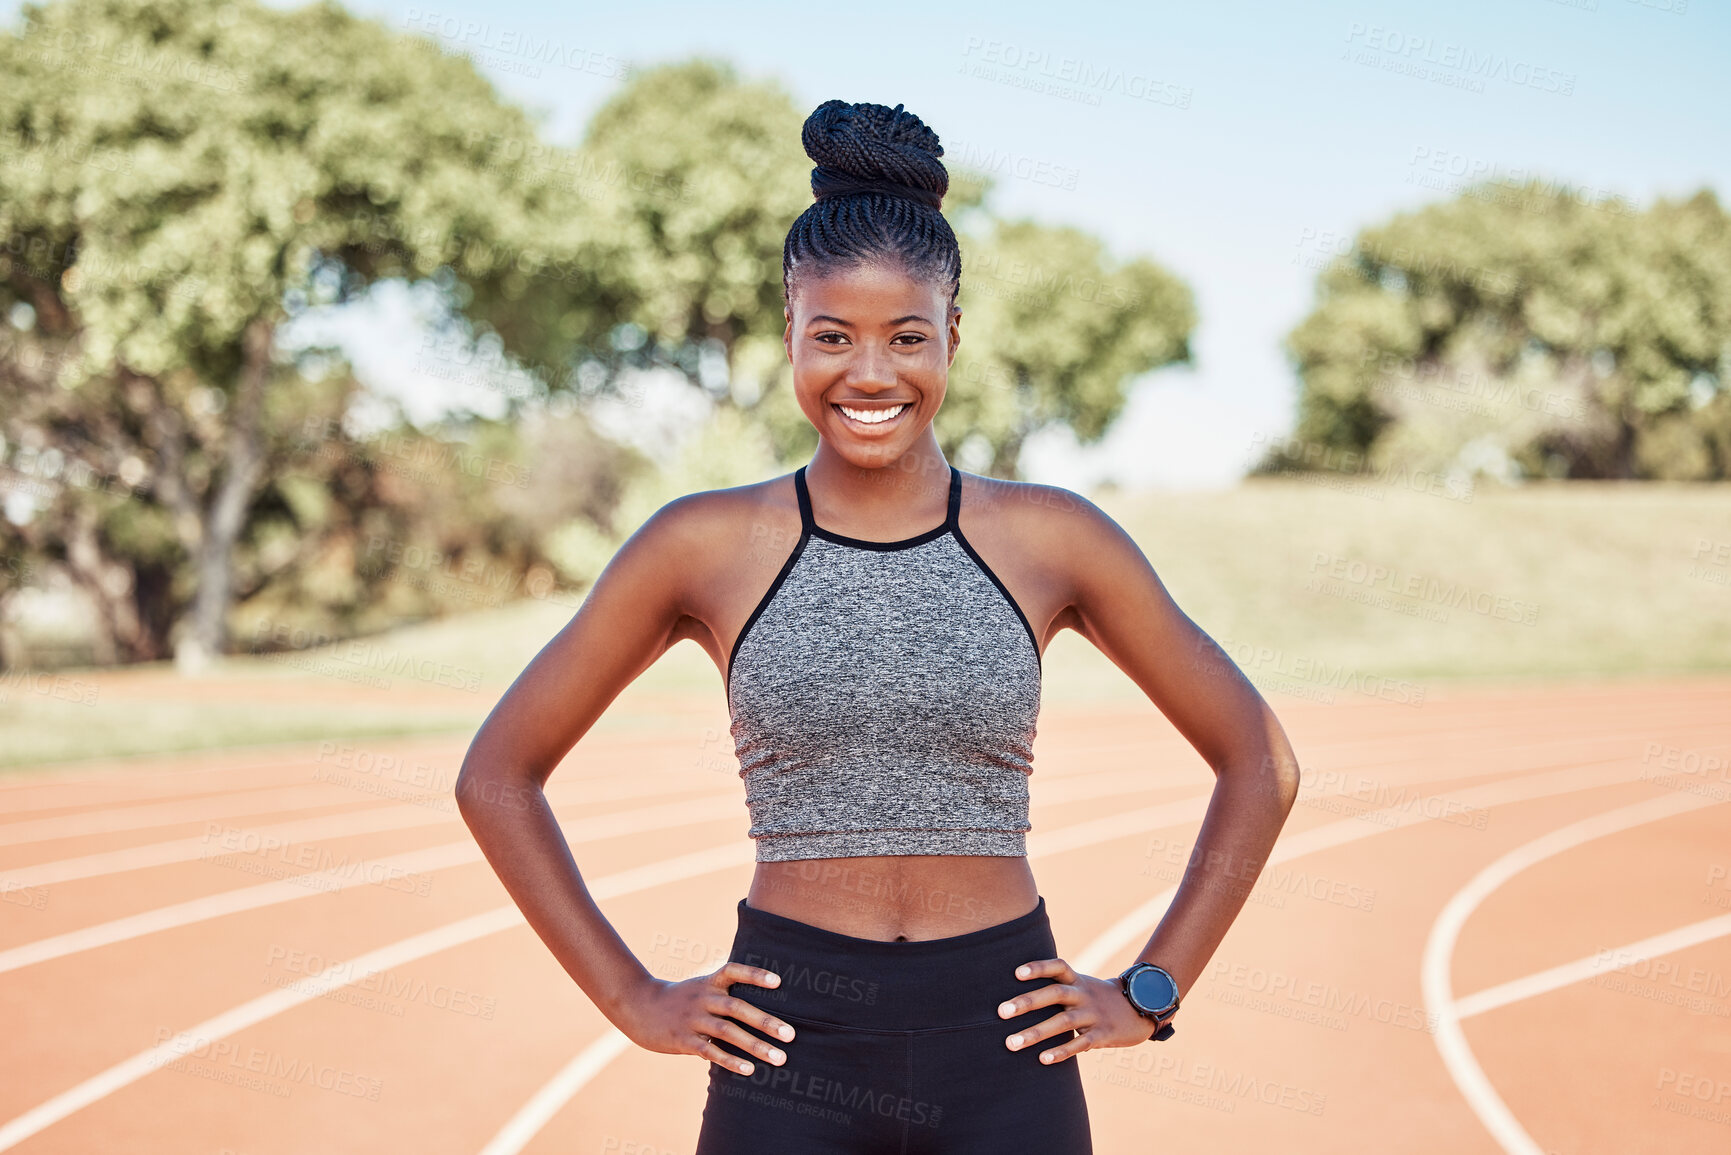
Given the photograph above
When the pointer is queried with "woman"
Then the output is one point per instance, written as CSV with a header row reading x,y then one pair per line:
x,y
893,984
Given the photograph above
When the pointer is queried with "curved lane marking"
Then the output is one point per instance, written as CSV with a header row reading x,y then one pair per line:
x,y
1451,1043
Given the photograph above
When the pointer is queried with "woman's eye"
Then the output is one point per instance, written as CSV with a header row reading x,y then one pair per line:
x,y
832,338
912,338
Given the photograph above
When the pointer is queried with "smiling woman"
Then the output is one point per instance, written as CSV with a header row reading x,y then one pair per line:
x,y
884,684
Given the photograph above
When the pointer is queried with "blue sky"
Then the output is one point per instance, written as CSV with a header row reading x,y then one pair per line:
x,y
1234,142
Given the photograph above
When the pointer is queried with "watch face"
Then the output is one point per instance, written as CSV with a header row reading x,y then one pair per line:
x,y
1153,989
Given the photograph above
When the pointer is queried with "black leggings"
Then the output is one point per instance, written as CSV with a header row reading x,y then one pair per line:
x,y
898,1048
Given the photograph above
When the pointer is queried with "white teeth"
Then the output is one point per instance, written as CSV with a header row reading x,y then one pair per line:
x,y
872,416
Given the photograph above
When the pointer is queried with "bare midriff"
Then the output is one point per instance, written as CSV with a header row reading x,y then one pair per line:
x,y
891,897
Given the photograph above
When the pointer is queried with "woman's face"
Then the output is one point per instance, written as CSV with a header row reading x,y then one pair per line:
x,y
871,349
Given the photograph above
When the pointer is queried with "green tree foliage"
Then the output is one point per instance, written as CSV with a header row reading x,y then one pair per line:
x,y
1519,331
180,177
1053,331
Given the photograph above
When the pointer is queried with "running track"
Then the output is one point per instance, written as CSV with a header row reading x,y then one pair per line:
x,y
1500,921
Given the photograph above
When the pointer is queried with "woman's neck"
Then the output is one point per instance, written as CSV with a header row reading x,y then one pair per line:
x,y
883,503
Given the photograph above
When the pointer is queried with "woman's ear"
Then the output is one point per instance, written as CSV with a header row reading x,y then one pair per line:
x,y
787,334
955,331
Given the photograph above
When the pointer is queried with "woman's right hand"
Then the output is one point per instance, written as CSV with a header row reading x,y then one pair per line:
x,y
683,1018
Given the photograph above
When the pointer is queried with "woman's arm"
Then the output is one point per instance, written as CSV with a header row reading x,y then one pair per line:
x,y
635,611
1117,602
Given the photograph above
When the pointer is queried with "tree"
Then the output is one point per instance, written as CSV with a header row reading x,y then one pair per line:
x,y
1053,332
1519,331
183,176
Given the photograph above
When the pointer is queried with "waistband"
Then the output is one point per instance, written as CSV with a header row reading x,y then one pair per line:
x,y
872,984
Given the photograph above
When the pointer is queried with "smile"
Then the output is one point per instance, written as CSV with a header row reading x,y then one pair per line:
x,y
872,416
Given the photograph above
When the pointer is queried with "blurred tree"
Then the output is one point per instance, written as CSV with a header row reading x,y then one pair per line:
x,y
1519,331
181,177
1053,331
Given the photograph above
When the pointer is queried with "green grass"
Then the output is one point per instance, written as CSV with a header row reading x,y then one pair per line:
x,y
1608,568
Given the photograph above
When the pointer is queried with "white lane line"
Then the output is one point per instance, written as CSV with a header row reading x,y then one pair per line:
x,y
431,810
546,1103
303,797
1133,929
378,871
1582,969
559,1090
1434,971
414,948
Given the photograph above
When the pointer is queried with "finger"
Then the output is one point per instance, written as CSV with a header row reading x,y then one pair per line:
x,y
737,1035
706,1047
1047,968
1059,1053
728,1007
737,972
1048,995
1045,1029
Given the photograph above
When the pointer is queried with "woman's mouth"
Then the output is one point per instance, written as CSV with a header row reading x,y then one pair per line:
x,y
872,418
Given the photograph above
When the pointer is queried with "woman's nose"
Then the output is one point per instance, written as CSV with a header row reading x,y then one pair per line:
x,y
872,366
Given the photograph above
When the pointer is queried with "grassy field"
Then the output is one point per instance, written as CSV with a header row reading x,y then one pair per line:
x,y
1316,591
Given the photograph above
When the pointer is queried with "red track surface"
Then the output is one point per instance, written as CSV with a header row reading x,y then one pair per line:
x,y
1311,1033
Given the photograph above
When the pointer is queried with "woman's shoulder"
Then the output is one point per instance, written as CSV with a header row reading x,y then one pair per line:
x,y
1047,518
710,522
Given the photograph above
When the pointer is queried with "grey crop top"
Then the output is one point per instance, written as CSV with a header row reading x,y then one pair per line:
x,y
884,698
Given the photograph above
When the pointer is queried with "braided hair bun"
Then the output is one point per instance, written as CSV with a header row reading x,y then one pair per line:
x,y
871,148
878,186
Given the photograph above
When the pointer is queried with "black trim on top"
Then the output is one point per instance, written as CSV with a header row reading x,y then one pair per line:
x,y
781,576
806,522
962,540
816,530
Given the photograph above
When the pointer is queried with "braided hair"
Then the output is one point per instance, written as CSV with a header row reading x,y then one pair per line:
x,y
878,186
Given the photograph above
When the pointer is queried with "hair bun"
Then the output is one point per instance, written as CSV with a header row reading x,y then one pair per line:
x,y
871,148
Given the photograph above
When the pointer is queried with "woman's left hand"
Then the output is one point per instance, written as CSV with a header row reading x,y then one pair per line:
x,y
1095,1009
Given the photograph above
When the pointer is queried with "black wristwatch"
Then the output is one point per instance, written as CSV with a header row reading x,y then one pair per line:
x,y
1154,994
